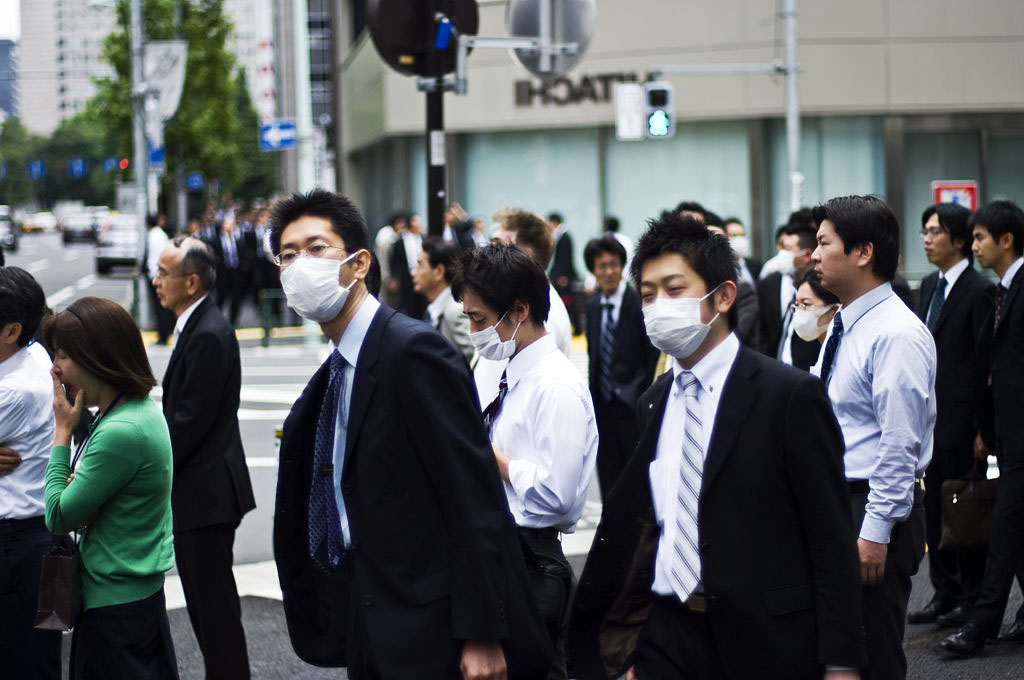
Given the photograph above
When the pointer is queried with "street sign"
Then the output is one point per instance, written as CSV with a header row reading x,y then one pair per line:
x,y
629,112
195,181
278,134
36,168
571,21
409,37
109,164
78,167
962,192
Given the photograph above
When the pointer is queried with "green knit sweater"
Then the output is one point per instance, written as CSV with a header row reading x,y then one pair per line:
x,y
122,493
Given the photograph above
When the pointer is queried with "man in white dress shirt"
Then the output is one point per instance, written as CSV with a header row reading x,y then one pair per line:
x,y
878,365
542,424
26,434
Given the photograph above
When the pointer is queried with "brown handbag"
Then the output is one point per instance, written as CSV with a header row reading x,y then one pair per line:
x,y
967,506
60,595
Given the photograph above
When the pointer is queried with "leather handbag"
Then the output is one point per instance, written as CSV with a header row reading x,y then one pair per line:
x,y
967,506
60,596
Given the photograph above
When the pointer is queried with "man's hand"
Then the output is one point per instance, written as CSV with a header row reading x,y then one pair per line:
x,y
502,460
872,561
483,661
630,674
842,675
981,452
9,460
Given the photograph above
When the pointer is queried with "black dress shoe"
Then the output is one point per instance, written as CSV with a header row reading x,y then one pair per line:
x,y
967,641
954,618
930,612
1015,633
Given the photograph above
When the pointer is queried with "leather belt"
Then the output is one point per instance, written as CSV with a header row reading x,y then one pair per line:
x,y
859,486
697,603
10,526
539,534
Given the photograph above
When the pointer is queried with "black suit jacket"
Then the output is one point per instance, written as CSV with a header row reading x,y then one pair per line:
x,y
200,402
633,356
770,313
1003,350
960,378
435,557
562,264
780,567
754,267
410,302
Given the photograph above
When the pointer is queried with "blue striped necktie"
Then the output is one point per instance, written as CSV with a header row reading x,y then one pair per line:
x,y
686,566
324,520
607,349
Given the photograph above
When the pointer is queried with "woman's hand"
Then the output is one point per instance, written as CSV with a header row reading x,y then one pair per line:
x,y
65,413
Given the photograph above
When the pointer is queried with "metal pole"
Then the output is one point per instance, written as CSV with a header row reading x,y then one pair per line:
x,y
138,90
544,33
437,168
303,100
796,178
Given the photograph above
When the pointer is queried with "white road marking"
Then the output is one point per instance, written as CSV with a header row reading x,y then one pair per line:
x,y
60,296
71,255
86,281
38,266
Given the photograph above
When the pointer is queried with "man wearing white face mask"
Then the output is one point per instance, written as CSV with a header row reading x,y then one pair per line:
x,y
388,519
724,551
775,292
542,423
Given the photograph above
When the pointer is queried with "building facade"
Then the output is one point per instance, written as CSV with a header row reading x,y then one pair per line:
x,y
8,79
893,95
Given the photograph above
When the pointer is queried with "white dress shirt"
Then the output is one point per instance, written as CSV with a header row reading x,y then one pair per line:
x,y
615,301
952,274
413,244
711,373
27,426
156,241
435,308
882,388
179,325
547,427
1011,272
349,345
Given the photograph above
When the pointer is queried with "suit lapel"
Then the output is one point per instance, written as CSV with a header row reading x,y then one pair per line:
x,y
956,294
364,382
737,398
654,414
927,286
1011,295
186,332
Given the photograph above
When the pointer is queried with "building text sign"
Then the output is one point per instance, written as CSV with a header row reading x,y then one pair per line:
x,y
598,88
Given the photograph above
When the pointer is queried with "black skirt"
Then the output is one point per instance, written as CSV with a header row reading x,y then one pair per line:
x,y
129,641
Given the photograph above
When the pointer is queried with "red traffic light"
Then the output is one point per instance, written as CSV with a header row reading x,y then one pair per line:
x,y
123,164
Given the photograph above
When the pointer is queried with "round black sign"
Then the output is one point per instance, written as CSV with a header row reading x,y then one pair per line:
x,y
405,31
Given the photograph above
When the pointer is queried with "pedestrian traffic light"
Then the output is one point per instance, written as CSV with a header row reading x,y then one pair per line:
x,y
660,113
123,164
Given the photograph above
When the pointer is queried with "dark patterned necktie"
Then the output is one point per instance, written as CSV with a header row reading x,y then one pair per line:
x,y
324,522
1000,299
491,412
935,306
607,348
831,346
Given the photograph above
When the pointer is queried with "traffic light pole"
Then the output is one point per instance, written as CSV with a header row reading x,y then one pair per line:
x,y
437,167
140,152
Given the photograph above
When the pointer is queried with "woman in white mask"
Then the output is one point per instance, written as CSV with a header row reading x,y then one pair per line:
x,y
813,310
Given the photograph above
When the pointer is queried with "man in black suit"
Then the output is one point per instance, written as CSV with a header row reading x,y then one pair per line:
x,y
775,292
229,252
562,271
955,301
998,230
735,564
621,357
212,490
404,252
395,547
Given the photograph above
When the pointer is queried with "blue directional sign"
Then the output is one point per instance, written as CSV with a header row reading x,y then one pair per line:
x,y
278,134
36,168
109,164
156,156
78,167
195,181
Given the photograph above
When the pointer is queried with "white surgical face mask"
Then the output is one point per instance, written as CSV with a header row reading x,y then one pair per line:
x,y
312,288
490,346
740,244
805,322
784,262
674,325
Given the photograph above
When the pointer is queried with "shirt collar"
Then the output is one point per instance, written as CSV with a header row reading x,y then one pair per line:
x,y
528,357
953,273
616,298
355,333
437,306
1011,272
859,307
712,370
179,325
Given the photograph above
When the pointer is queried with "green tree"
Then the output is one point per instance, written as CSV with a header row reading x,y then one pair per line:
x,y
17,147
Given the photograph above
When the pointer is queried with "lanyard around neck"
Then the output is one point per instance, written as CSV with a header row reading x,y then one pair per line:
x,y
92,428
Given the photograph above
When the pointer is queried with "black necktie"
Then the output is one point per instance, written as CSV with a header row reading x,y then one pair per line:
x,y
607,348
324,520
491,412
831,346
1000,299
787,319
935,306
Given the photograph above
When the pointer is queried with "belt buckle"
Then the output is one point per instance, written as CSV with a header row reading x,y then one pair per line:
x,y
697,603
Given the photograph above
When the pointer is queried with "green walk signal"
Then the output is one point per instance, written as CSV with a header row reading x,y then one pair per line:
x,y
660,109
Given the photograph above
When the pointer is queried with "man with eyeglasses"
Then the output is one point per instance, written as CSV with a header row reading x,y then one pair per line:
x,y
396,551
211,490
776,292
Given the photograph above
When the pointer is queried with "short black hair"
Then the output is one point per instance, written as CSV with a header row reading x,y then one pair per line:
x,y
21,301
806,235
732,219
711,219
599,246
859,220
502,274
197,259
801,217
1001,217
400,216
555,217
345,218
611,224
709,254
781,231
441,252
691,206
953,219
813,279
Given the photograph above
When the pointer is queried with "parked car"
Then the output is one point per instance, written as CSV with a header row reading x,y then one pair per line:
x,y
118,244
8,232
79,227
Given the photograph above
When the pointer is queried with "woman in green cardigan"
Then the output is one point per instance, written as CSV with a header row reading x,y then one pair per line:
x,y
118,496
